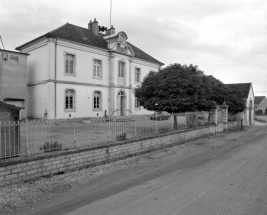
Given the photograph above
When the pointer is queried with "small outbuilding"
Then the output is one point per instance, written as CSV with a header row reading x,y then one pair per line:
x,y
260,104
9,130
248,95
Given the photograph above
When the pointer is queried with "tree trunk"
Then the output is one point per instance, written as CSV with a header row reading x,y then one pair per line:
x,y
175,125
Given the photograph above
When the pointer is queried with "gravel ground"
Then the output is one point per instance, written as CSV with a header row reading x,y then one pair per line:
x,y
15,196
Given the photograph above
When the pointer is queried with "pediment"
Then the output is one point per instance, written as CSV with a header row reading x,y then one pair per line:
x,y
118,43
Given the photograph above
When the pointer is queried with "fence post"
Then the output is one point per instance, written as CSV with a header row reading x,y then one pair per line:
x,y
74,139
109,128
27,137
185,121
1,150
156,122
135,132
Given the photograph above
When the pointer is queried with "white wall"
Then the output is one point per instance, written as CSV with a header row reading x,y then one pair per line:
x,y
84,63
250,98
38,62
37,100
83,101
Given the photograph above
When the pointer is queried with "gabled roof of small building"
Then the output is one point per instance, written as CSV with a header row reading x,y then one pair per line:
x,y
8,106
85,36
245,88
258,99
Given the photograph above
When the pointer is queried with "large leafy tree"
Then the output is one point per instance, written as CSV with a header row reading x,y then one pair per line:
x,y
181,88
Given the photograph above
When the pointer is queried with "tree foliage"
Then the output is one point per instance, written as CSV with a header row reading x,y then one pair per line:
x,y
181,88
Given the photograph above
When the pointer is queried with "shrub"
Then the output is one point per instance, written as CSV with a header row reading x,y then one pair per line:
x,y
50,147
121,136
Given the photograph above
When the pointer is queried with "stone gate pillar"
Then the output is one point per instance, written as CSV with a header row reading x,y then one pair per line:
x,y
214,115
224,108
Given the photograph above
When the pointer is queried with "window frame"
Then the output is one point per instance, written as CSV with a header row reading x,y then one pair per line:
x,y
100,101
74,100
119,71
135,72
101,69
119,62
74,64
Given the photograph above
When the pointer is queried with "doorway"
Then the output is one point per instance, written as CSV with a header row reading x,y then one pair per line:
x,y
250,112
121,103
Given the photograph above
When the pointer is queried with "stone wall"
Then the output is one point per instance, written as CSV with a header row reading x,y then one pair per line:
x,y
30,168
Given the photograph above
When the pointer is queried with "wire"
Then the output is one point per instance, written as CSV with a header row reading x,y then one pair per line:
x,y
110,11
5,59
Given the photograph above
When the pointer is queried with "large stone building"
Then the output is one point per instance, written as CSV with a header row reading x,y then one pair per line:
x,y
13,80
80,72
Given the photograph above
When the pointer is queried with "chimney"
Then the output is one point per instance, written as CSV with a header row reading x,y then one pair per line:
x,y
95,27
90,25
111,30
107,32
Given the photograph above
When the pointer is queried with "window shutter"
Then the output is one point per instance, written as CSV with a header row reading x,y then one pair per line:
x,y
71,67
122,70
67,64
100,69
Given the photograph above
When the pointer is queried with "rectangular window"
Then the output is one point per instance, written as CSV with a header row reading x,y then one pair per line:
x,y
137,75
69,64
97,68
121,69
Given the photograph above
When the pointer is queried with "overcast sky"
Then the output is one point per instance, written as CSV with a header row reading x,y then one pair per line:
x,y
225,38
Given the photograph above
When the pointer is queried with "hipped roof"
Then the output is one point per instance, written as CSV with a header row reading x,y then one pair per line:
x,y
85,36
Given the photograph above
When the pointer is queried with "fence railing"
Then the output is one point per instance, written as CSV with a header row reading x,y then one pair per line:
x,y
40,136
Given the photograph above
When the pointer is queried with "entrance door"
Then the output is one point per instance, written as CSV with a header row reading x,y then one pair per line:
x,y
121,103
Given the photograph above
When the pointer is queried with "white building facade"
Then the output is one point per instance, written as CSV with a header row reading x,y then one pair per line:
x,y
79,72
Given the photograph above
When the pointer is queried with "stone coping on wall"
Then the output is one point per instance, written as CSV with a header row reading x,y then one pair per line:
x,y
34,157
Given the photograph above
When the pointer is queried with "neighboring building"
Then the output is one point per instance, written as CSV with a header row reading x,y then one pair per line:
x,y
9,135
9,113
13,79
248,96
260,103
79,72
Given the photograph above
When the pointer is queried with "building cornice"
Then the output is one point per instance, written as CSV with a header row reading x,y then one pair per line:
x,y
76,83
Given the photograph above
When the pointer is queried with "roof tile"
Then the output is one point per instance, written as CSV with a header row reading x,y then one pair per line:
x,y
85,36
245,87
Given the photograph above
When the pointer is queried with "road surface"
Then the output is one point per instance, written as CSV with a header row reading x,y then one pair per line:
x,y
223,175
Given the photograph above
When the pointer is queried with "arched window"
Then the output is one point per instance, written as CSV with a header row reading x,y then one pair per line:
x,y
69,99
121,93
97,100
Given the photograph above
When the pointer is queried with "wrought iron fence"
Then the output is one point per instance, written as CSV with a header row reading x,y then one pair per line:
x,y
41,136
